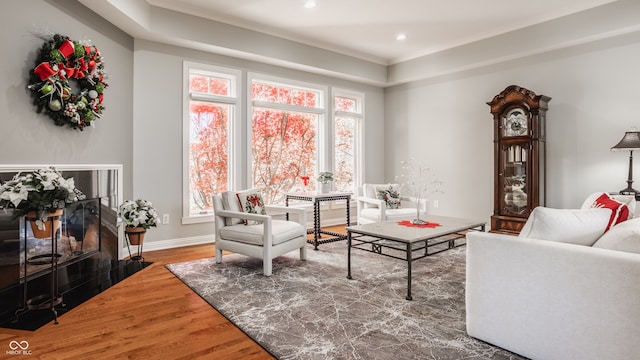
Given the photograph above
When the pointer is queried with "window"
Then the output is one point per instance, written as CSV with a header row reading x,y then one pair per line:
x,y
285,123
212,95
268,135
348,116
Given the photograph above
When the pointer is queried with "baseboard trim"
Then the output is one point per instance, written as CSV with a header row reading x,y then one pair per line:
x,y
202,239
171,243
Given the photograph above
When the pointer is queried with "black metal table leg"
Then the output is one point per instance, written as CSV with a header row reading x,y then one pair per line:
x,y
409,272
316,223
348,254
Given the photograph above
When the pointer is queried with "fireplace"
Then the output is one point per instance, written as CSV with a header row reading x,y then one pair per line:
x,y
88,251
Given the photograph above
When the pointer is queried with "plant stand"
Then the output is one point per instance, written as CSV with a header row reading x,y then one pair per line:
x,y
135,237
53,298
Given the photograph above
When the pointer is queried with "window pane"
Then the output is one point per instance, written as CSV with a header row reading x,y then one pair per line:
x,y
198,84
208,153
218,86
283,146
346,104
212,85
344,153
286,95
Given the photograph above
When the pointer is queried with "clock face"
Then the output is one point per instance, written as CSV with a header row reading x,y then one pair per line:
x,y
515,123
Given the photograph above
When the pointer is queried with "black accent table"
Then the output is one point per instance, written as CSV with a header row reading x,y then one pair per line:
x,y
316,199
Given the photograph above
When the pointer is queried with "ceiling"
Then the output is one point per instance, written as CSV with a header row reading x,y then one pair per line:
x,y
367,28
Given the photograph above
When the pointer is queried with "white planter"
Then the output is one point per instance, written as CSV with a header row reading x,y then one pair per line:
x,y
325,187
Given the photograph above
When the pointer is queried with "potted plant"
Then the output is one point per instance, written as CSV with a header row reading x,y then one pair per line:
x,y
325,178
39,195
137,216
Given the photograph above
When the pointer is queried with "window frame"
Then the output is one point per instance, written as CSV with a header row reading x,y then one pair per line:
x,y
234,99
322,109
359,157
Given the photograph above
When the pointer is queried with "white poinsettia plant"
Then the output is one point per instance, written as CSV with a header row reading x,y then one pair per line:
x,y
43,191
136,213
325,177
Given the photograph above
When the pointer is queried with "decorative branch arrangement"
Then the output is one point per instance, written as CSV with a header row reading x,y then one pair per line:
x,y
417,181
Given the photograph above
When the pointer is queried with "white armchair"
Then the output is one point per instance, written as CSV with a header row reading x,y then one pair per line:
x,y
372,208
254,234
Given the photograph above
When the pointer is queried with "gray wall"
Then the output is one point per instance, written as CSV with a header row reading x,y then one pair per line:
x,y
446,123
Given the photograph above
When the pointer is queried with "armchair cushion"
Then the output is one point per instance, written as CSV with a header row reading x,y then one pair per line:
x,y
253,234
230,202
389,194
371,191
251,203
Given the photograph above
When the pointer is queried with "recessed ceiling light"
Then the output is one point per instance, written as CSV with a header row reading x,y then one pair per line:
x,y
401,37
310,4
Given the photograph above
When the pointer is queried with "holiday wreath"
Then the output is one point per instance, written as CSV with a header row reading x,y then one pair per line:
x,y
59,61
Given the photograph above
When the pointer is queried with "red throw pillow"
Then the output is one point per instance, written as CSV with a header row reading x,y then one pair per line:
x,y
619,210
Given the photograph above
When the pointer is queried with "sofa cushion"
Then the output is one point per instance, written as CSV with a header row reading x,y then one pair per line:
x,y
622,237
619,209
629,200
574,226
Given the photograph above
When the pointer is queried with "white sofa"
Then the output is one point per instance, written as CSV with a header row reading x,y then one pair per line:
x,y
550,299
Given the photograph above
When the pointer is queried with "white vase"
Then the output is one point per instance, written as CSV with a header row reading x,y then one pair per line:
x,y
325,187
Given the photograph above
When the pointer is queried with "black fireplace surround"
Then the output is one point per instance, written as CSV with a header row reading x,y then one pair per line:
x,y
87,252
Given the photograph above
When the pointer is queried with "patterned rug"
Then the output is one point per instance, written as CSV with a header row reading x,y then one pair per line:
x,y
309,310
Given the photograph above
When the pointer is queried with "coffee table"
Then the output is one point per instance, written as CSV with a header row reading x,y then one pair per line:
x,y
406,243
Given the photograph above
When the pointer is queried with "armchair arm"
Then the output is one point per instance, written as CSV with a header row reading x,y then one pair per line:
x,y
243,215
379,203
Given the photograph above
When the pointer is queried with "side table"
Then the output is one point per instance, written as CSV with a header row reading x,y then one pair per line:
x,y
316,199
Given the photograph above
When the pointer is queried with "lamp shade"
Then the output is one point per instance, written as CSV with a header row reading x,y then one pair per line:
x,y
630,141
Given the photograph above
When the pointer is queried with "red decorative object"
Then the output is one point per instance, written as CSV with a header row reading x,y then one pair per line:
x,y
305,180
619,210
427,225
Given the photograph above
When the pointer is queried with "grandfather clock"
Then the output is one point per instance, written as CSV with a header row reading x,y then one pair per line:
x,y
519,157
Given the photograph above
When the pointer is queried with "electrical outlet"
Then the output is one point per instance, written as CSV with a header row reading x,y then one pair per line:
x,y
436,203
165,218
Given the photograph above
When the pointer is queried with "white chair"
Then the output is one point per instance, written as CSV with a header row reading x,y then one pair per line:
x,y
372,208
264,237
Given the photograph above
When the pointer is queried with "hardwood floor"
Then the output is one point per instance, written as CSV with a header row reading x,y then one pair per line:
x,y
150,315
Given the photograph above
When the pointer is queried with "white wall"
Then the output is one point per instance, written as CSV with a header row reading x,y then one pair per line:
x,y
157,145
446,123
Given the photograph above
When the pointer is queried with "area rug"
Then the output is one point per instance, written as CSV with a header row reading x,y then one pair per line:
x,y
310,310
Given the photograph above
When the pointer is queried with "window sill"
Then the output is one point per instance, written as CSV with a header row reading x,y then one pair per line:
x,y
198,219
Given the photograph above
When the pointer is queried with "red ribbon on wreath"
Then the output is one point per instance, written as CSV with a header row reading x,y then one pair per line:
x,y
66,48
44,70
